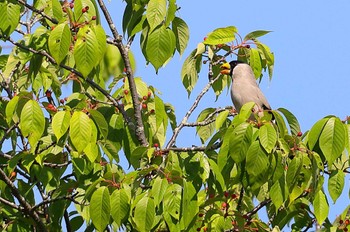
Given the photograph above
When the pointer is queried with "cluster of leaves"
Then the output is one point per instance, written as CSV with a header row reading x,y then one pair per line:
x,y
64,148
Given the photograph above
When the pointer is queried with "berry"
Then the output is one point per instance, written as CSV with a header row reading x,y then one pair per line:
x,y
223,204
75,38
300,134
13,174
52,28
62,101
205,228
145,98
345,229
341,221
233,196
198,229
149,94
347,221
126,92
124,69
87,8
226,194
200,215
71,5
151,111
93,17
212,195
204,38
144,106
247,46
156,145
84,10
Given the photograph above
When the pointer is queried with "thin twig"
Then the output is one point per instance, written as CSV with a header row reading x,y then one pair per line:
x,y
27,208
9,203
189,113
40,12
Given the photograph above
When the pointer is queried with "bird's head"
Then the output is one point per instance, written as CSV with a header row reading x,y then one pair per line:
x,y
227,68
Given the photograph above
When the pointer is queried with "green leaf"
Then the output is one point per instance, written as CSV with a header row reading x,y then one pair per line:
x,y
255,62
205,131
159,188
315,132
84,17
221,119
80,130
156,12
60,123
321,207
59,42
257,160
32,122
267,137
292,120
160,46
336,184
9,17
217,173
332,139
101,42
144,214
255,34
277,193
100,122
221,36
293,171
86,52
190,69
54,9
119,206
100,208
182,34
189,204
240,141
170,14
172,200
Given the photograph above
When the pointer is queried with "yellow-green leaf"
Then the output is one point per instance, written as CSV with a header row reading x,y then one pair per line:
x,y
80,130
59,42
60,123
221,35
100,208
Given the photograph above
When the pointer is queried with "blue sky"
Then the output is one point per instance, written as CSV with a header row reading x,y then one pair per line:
x,y
310,42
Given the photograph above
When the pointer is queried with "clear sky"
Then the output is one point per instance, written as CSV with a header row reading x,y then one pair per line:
x,y
312,59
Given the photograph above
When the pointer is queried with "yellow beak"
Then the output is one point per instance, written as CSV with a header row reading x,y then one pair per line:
x,y
225,69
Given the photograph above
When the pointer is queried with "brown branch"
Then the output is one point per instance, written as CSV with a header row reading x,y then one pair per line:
x,y
189,113
257,208
140,130
66,219
9,203
7,132
194,148
27,208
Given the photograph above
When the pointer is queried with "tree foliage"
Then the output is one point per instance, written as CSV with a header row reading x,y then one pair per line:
x,y
60,150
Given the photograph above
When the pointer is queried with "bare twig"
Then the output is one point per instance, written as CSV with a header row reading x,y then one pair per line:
x,y
7,132
140,131
189,113
194,148
9,203
66,219
257,208
27,208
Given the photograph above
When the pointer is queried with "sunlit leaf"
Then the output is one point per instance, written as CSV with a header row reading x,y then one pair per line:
x,y
60,123
100,207
336,184
59,42
221,35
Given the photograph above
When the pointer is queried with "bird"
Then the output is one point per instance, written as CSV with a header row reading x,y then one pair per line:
x,y
244,88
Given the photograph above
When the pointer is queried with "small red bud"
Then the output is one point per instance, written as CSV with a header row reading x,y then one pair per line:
x,y
87,8
71,5
212,195
84,10
341,221
247,46
149,94
126,92
151,111
52,28
156,145
300,134
145,98
200,215
205,38
62,101
48,93
347,221
226,194
144,106
233,196
198,229
93,17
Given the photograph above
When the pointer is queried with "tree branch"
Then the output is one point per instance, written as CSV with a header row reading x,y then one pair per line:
x,y
140,131
189,113
27,208
40,12
9,203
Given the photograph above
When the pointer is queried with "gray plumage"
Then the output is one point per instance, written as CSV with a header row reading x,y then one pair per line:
x,y
244,88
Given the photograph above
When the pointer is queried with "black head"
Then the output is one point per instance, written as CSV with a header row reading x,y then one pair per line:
x,y
233,64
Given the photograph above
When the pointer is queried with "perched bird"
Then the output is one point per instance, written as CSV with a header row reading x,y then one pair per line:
x,y
244,88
